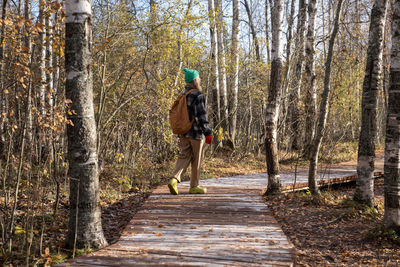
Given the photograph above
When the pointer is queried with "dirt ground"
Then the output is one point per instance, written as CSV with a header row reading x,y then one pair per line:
x,y
334,230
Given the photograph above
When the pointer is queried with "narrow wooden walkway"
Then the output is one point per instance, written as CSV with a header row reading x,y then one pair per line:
x,y
229,226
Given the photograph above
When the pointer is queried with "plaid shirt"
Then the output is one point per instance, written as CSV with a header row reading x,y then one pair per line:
x,y
196,108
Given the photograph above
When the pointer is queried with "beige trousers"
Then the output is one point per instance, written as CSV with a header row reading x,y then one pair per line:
x,y
191,152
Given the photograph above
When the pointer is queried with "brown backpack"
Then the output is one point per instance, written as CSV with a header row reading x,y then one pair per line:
x,y
179,115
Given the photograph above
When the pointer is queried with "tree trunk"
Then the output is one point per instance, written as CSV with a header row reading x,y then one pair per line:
x,y
392,144
274,94
56,63
323,113
235,66
28,45
253,30
267,33
222,64
372,81
214,66
103,72
287,77
84,228
179,43
49,59
3,96
311,94
297,74
289,36
42,57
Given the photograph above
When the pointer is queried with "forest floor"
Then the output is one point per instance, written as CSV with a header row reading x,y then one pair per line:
x,y
335,230
331,230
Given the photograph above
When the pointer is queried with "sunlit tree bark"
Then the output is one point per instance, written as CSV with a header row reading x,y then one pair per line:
x,y
297,75
323,113
253,30
222,63
42,57
288,65
215,87
309,76
274,98
267,32
3,95
235,67
392,144
372,81
85,229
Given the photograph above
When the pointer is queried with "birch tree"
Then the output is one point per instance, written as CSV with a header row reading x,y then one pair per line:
x,y
49,59
372,81
288,61
267,32
297,74
221,62
253,30
42,57
214,64
235,66
84,229
309,76
3,96
28,45
274,98
323,113
392,144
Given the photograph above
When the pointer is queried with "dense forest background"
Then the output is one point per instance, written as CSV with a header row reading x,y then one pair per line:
x,y
139,49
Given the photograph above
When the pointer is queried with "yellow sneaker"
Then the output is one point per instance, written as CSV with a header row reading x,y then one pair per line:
x,y
197,190
173,186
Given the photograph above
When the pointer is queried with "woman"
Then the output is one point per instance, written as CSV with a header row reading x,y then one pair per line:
x,y
191,143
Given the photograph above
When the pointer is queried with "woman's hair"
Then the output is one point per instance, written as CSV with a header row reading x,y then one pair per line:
x,y
195,84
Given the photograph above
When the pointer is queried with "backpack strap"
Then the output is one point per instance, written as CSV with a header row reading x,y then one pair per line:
x,y
186,94
191,90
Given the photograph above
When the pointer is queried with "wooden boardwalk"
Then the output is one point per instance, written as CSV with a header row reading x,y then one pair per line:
x,y
229,226
226,227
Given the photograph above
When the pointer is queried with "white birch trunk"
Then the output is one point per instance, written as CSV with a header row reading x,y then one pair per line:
x,y
56,63
288,68
214,65
267,33
297,75
311,94
392,145
323,113
274,98
49,60
84,228
253,30
222,63
235,66
42,58
372,81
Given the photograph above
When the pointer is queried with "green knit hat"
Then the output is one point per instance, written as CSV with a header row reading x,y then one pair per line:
x,y
190,75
